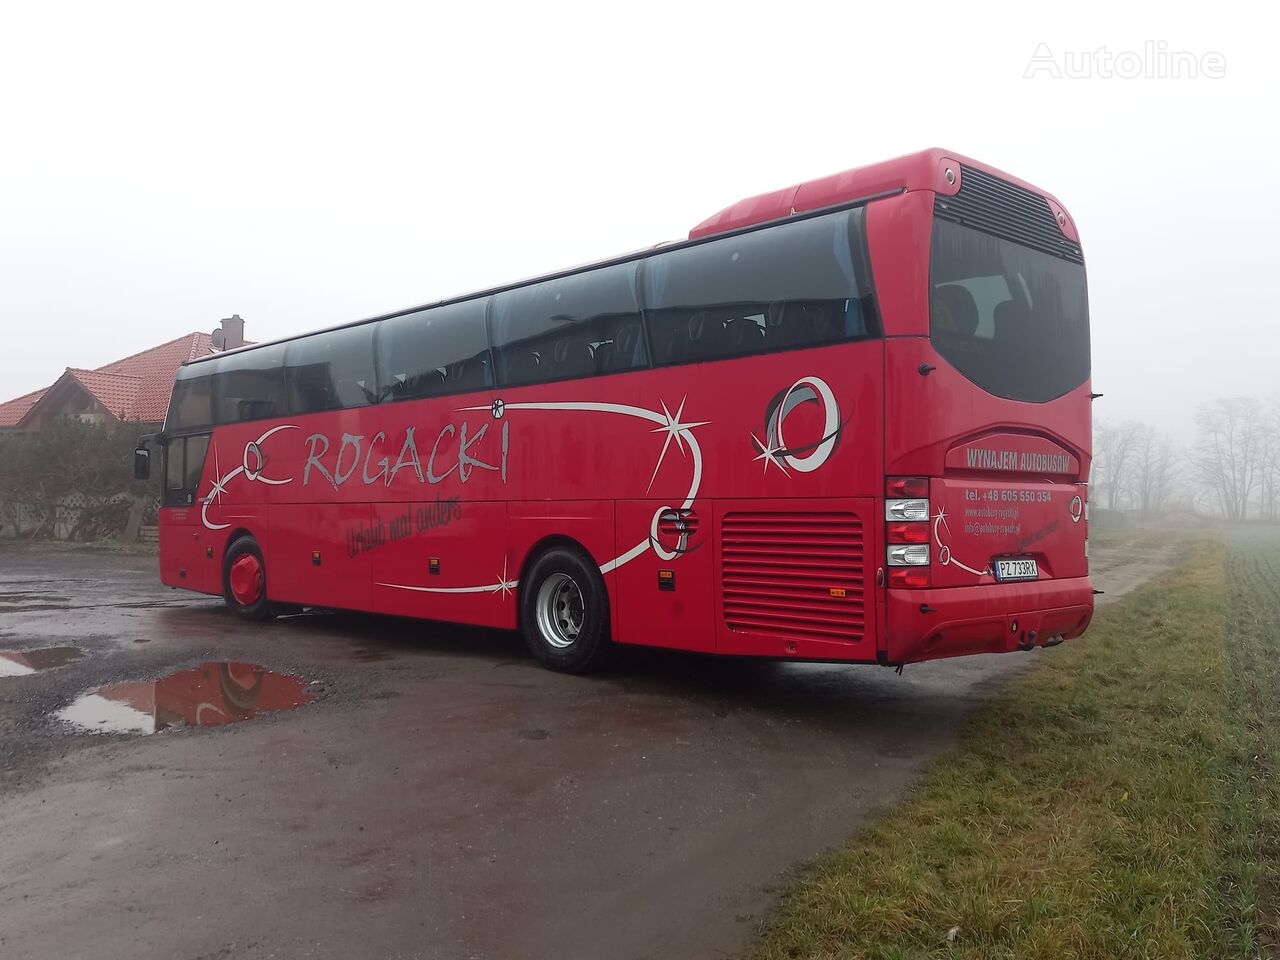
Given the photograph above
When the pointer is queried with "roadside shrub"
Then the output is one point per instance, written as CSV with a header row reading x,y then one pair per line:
x,y
41,469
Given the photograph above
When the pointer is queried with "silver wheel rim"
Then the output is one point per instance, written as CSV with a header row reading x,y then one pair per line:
x,y
561,610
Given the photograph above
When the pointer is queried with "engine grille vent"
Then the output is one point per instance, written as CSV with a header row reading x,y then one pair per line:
x,y
1007,211
794,575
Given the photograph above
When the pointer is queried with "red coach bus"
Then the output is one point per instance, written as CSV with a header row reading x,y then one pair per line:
x,y
848,420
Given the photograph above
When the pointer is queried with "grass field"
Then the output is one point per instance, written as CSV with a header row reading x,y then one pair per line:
x,y
1120,800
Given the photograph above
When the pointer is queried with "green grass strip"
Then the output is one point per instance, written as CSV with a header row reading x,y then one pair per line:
x,y
1108,804
1246,920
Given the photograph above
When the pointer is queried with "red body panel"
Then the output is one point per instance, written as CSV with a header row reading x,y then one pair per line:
x,y
184,543
349,510
432,508
992,619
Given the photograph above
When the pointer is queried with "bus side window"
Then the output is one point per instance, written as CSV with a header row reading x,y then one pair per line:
x,y
174,468
568,328
624,352
796,284
191,407
331,371
184,462
473,373
249,385
433,352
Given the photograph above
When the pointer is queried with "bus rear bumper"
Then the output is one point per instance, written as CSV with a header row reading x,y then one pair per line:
x,y
930,624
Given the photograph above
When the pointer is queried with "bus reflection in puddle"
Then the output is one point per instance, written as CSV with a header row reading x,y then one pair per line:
x,y
212,694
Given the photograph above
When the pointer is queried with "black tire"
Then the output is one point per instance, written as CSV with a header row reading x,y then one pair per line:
x,y
261,608
572,635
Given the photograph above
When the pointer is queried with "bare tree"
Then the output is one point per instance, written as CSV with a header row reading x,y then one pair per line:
x,y
1153,470
1113,448
1269,463
1231,451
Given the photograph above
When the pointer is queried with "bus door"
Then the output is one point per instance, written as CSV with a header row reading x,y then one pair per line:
x,y
186,556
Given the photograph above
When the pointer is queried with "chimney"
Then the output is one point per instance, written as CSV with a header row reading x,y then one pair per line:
x,y
232,332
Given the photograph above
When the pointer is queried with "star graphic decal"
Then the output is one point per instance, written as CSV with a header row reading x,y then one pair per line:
x,y
673,428
769,454
945,556
219,482
505,586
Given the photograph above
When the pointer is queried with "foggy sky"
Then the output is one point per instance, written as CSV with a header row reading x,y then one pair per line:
x,y
163,166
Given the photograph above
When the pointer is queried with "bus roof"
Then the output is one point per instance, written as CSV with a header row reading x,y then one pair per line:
x,y
925,170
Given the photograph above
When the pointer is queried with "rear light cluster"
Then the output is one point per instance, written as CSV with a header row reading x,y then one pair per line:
x,y
906,513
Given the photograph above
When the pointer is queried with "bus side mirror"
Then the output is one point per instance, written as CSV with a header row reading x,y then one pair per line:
x,y
142,464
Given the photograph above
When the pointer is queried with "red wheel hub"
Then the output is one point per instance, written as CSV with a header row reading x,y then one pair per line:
x,y
246,579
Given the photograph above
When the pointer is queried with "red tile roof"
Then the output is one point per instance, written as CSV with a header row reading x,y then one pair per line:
x,y
14,410
135,388
115,392
156,369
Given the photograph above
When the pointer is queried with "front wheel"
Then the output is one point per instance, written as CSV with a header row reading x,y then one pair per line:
x,y
565,612
244,581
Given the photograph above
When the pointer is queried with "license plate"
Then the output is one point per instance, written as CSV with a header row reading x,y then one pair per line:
x,y
1017,570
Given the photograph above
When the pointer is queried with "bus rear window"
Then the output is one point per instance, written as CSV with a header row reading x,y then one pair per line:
x,y
1013,320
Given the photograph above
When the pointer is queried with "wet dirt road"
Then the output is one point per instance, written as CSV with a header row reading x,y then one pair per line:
x,y
435,794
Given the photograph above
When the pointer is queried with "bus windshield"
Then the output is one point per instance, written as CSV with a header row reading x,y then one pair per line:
x,y
1012,319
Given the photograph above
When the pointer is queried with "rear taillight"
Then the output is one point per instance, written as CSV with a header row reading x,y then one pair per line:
x,y
909,577
907,532
907,488
907,552
914,509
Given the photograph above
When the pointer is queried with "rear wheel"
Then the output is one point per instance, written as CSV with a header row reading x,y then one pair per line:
x,y
565,611
244,581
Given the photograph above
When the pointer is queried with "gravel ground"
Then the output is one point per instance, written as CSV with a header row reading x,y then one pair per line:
x,y
441,796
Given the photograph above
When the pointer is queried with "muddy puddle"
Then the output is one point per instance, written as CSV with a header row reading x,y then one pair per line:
x,y
19,663
212,694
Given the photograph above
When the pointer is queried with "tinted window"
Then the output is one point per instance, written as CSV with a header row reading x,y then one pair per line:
x,y
331,371
1013,320
442,350
184,462
197,447
250,386
799,284
572,327
191,407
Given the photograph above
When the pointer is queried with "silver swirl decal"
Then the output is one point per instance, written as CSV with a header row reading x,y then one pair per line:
x,y
803,457
252,462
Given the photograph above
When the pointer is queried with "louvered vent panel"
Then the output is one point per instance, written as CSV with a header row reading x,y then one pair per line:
x,y
783,573
1008,211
